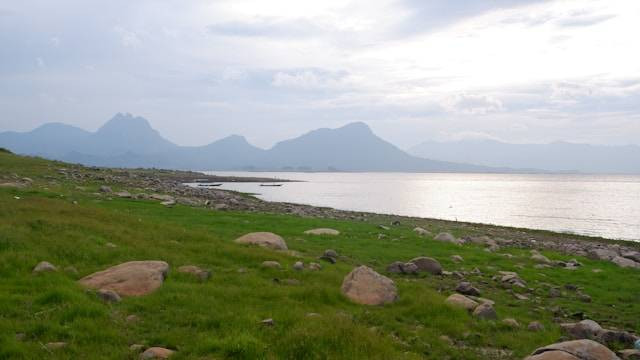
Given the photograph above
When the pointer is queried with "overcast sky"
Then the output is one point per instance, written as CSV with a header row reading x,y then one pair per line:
x,y
516,70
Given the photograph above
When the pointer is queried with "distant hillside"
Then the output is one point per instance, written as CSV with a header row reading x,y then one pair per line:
x,y
127,141
557,156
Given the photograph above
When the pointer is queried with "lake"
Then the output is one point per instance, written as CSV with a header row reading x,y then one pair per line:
x,y
597,205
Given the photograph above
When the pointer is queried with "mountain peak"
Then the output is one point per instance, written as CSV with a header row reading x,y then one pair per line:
x,y
126,122
358,126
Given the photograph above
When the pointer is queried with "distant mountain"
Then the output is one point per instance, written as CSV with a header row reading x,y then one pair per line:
x,y
128,141
557,156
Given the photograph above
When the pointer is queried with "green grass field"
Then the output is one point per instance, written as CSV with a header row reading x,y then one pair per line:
x,y
55,221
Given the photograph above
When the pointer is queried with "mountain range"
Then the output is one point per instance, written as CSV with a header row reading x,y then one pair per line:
x,y
554,157
128,141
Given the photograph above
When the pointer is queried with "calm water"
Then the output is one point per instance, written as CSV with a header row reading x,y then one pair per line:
x,y
607,206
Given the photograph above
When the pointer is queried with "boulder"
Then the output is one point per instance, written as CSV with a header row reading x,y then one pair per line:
x,y
602,254
446,237
43,267
133,278
585,329
461,301
365,286
485,311
124,194
625,262
395,267
633,255
322,231
298,265
575,349
105,189
331,253
156,353
199,273
264,239
271,264
427,264
398,267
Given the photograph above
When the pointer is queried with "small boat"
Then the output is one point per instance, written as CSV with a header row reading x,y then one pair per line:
x,y
270,184
208,185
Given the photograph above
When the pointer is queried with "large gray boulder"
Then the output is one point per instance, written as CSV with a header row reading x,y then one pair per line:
x,y
427,264
264,239
574,350
133,278
365,286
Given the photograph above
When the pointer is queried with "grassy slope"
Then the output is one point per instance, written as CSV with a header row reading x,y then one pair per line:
x,y
220,318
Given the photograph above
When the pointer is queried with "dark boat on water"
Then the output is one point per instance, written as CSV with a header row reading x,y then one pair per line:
x,y
208,185
270,184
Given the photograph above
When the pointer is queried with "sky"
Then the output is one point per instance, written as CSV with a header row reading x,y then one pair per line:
x,y
521,71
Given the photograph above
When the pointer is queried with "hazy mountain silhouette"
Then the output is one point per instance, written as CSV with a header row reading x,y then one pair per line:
x,y
557,156
127,141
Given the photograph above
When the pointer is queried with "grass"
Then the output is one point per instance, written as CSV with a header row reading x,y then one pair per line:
x,y
56,221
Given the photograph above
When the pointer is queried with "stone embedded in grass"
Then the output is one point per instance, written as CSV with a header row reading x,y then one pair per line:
x,y
322,231
105,189
133,278
43,267
625,263
136,347
535,326
124,194
541,259
156,353
55,345
466,288
461,301
267,322
446,237
199,273
315,266
573,350
457,258
485,311
422,232
427,264
264,239
365,286
271,264
399,267
298,266
512,323
109,296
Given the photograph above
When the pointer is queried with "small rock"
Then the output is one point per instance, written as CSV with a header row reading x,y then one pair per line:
x,y
124,194
539,258
331,253
535,326
132,318
457,258
512,323
461,301
136,347
584,298
196,271
105,189
271,264
264,239
446,339
110,245
485,311
267,322
554,293
386,228
446,237
322,231
466,288
108,296
315,266
299,266
427,264
43,267
55,345
156,353
422,232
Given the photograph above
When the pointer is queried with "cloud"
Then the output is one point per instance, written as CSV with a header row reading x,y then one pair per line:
x,y
267,27
472,104
310,80
582,19
128,38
